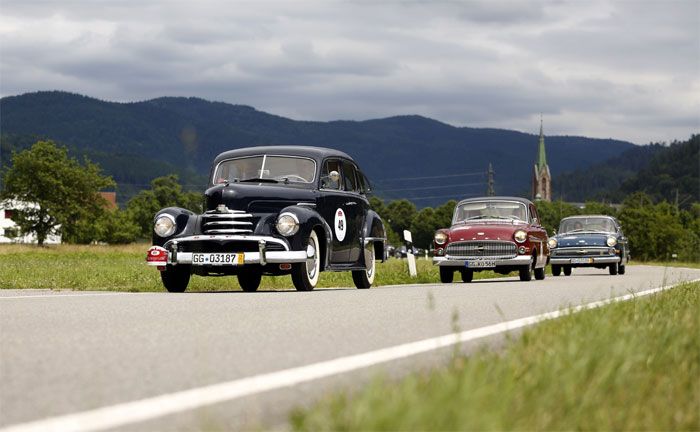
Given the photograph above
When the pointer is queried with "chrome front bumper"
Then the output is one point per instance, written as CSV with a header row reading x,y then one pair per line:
x,y
169,255
593,260
520,260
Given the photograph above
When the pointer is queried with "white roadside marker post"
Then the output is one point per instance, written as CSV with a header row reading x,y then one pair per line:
x,y
412,271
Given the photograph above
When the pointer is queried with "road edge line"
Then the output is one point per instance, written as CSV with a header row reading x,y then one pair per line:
x,y
122,414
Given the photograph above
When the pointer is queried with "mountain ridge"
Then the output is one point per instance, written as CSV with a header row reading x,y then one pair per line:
x,y
188,132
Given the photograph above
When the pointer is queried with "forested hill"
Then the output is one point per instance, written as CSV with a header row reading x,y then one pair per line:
x,y
184,134
664,172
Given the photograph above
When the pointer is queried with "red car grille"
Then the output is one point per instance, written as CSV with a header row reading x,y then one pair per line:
x,y
479,249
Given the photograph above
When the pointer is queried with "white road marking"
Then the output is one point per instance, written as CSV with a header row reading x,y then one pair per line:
x,y
65,295
150,408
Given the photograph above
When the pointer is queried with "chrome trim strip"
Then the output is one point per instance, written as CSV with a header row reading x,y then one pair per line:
x,y
596,260
253,258
227,215
454,262
251,238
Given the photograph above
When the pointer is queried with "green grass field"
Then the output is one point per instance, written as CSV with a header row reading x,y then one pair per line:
x,y
627,366
123,268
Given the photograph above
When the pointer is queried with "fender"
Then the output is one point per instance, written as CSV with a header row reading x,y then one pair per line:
x,y
308,219
185,220
374,231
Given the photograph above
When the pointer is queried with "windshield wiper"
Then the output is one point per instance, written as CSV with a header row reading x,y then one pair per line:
x,y
259,180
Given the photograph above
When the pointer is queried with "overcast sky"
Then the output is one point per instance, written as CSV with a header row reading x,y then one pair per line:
x,y
621,69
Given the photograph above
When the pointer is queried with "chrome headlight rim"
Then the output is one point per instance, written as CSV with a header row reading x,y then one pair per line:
x,y
520,236
611,241
287,224
440,238
552,243
165,225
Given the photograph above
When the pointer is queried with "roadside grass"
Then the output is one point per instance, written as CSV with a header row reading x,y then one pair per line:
x,y
627,366
123,268
686,264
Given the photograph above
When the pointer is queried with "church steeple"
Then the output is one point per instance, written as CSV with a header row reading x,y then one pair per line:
x,y
541,178
541,153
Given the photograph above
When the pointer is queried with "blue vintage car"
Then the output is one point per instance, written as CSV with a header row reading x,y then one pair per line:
x,y
589,241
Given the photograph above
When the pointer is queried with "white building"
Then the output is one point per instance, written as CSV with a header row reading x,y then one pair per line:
x,y
9,231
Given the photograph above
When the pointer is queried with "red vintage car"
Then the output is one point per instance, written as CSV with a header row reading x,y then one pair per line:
x,y
502,234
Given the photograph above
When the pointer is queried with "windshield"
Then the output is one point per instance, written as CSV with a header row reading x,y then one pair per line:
x,y
273,169
587,224
475,210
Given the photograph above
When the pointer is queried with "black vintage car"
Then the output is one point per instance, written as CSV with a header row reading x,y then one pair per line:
x,y
273,210
589,241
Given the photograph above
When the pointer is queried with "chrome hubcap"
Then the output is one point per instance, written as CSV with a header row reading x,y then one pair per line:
x,y
311,259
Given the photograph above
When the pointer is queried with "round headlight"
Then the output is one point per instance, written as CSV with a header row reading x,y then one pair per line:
x,y
287,224
612,241
165,225
520,236
440,238
552,243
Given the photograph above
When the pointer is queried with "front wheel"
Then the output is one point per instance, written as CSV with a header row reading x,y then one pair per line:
x,y
621,269
305,275
613,269
365,278
539,273
176,278
249,279
446,275
525,273
556,270
567,271
467,275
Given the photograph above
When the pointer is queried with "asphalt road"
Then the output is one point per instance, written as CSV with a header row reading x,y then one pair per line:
x,y
71,352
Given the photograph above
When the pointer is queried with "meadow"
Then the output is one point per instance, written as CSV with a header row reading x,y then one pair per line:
x,y
627,366
123,268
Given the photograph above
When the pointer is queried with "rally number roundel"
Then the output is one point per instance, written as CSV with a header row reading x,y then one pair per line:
x,y
340,225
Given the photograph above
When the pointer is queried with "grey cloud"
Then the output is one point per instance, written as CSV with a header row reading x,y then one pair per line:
x,y
621,69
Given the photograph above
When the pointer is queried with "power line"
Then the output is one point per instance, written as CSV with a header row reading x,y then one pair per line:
x,y
432,187
444,196
431,177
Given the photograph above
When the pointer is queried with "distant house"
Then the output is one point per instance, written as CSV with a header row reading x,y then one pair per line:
x,y
111,198
9,231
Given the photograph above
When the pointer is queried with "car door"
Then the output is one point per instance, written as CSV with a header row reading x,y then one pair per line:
x,y
541,235
332,207
355,210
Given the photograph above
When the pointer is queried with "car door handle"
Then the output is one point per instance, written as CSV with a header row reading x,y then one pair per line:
x,y
350,203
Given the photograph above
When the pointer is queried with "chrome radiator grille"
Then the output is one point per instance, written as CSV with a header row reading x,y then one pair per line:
x,y
225,221
582,251
479,249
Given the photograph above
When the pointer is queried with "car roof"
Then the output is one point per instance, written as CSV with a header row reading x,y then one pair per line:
x,y
588,216
496,198
317,153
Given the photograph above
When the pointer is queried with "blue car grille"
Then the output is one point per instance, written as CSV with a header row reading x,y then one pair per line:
x,y
580,251
482,249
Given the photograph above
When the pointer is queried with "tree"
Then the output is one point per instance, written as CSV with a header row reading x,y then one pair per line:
x,y
165,191
59,194
399,215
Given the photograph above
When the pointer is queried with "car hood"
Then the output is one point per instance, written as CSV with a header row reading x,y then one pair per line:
x,y
582,239
502,231
257,198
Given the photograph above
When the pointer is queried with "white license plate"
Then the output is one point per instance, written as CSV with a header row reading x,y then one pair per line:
x,y
581,260
481,264
217,259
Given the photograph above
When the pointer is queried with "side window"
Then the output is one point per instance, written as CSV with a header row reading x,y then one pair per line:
x,y
349,177
535,217
330,176
361,183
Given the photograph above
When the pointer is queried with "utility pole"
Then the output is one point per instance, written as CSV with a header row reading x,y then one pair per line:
x,y
491,191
